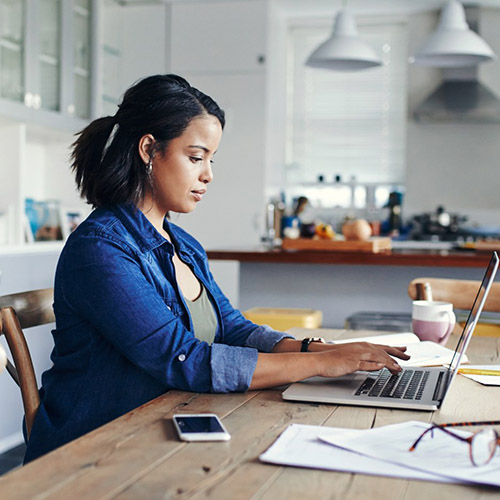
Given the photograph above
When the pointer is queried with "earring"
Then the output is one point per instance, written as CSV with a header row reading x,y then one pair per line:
x,y
149,166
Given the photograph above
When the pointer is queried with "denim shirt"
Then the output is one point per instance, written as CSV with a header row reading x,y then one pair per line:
x,y
123,332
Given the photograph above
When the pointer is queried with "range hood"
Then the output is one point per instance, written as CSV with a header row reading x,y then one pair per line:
x,y
461,97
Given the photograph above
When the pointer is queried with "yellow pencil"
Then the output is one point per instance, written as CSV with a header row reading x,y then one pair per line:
x,y
477,371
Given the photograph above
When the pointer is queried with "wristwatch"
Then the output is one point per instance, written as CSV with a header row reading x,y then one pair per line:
x,y
305,343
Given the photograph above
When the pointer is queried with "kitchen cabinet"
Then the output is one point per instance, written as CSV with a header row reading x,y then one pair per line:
x,y
217,37
63,63
48,74
35,164
47,93
221,49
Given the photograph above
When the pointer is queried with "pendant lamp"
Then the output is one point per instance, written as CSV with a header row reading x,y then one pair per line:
x,y
453,44
344,50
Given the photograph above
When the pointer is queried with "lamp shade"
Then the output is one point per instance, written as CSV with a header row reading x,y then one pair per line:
x,y
344,50
454,44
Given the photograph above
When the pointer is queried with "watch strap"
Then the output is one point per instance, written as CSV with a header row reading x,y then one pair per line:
x,y
305,343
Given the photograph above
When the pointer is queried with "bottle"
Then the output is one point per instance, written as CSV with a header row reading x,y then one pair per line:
x,y
270,234
394,204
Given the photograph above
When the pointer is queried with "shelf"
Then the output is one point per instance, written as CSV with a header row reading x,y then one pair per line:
x,y
111,51
11,44
32,248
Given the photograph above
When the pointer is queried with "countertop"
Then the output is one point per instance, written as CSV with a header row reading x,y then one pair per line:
x,y
394,257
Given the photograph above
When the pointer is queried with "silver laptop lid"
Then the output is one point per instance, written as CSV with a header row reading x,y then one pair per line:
x,y
473,318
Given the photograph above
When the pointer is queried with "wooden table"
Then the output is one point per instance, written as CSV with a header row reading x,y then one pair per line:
x,y
139,456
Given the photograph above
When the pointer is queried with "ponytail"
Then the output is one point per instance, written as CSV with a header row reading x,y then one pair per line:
x,y
88,152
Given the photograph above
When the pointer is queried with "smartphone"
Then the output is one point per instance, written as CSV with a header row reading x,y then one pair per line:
x,y
200,427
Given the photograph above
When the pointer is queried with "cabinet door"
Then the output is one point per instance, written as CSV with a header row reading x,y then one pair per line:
x,y
82,51
41,38
46,68
12,50
219,36
48,56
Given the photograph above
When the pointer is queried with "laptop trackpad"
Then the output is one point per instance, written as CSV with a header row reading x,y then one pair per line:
x,y
321,387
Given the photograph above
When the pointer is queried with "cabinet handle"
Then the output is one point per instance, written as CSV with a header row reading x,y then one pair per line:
x,y
28,100
37,101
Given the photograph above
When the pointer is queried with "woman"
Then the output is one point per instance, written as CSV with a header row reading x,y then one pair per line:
x,y
137,309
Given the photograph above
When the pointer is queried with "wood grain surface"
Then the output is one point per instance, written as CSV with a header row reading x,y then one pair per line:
x,y
139,455
430,258
373,245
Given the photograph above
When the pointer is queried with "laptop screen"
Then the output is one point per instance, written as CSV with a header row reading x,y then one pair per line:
x,y
473,317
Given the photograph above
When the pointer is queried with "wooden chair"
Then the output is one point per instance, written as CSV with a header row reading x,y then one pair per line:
x,y
461,293
17,312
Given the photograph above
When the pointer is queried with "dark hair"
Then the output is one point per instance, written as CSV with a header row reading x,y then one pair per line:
x,y
106,161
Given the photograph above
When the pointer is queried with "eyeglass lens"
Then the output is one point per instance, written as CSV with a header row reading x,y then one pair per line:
x,y
483,446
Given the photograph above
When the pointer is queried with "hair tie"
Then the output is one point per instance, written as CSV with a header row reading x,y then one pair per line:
x,y
111,136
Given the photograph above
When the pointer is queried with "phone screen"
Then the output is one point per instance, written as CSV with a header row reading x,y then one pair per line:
x,y
198,424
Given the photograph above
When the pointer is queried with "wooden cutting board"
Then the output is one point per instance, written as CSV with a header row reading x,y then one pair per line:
x,y
486,245
373,245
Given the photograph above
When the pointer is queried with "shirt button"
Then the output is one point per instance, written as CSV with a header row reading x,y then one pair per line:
x,y
181,357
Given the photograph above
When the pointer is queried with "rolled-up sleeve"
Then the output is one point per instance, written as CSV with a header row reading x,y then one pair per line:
x,y
264,338
232,367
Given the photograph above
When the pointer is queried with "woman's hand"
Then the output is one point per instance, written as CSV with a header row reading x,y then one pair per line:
x,y
353,356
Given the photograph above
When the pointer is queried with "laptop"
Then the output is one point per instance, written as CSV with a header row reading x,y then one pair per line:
x,y
414,388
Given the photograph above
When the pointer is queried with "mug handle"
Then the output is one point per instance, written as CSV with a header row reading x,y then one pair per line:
x,y
452,319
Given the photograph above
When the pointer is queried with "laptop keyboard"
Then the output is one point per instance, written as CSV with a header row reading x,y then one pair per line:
x,y
409,384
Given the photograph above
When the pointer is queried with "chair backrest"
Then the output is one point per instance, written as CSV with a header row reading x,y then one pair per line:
x,y
19,311
460,293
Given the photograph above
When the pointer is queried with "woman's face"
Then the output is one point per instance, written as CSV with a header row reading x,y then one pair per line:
x,y
180,176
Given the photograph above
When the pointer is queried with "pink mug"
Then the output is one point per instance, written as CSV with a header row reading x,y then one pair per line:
x,y
433,320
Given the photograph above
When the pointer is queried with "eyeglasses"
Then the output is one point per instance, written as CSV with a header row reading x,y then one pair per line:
x,y
482,444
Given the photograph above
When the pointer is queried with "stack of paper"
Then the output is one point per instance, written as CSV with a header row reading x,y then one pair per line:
x,y
300,446
439,458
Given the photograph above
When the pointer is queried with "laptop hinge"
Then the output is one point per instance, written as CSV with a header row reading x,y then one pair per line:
x,y
441,386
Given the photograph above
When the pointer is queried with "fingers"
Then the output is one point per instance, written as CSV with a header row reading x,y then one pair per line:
x,y
370,366
382,359
398,352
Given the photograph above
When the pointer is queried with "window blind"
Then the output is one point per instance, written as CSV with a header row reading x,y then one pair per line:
x,y
347,124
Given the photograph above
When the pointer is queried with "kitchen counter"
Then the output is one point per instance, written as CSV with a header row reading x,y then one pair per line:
x,y
395,257
342,283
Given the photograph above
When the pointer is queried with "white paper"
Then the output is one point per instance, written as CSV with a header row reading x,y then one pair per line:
x,y
484,379
392,339
299,446
424,353
441,454
428,353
